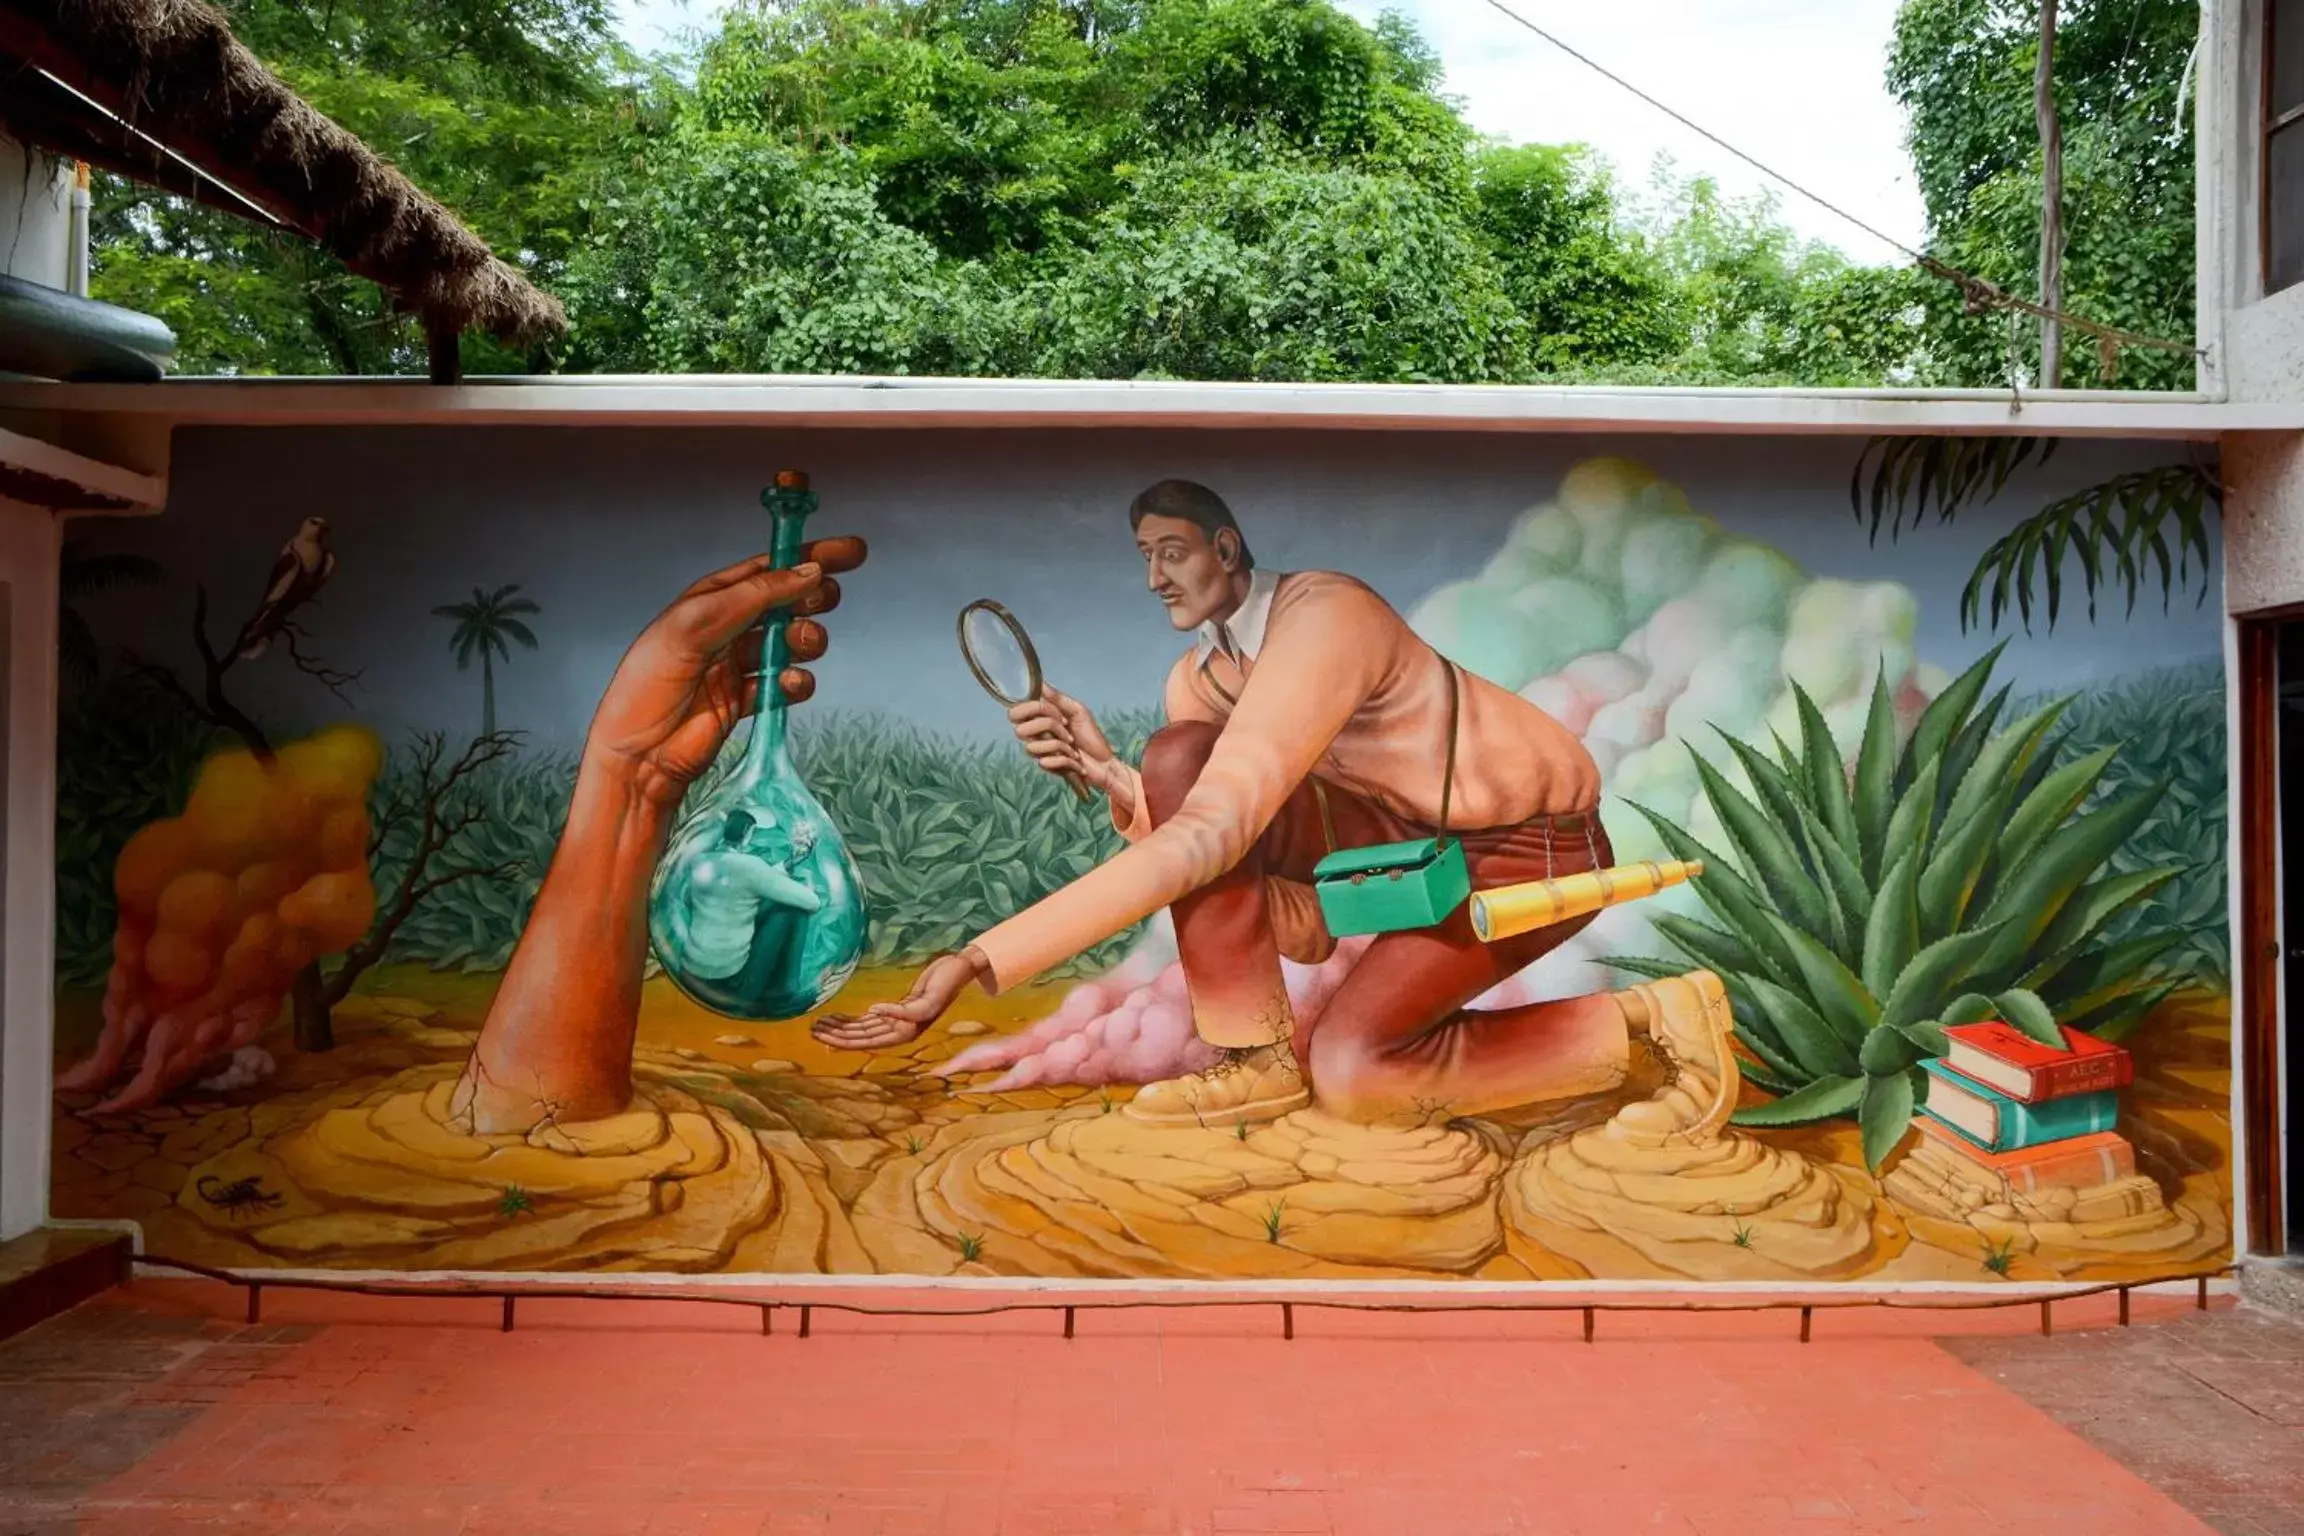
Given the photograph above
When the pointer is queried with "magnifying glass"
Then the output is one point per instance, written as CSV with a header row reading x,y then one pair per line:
x,y
1000,654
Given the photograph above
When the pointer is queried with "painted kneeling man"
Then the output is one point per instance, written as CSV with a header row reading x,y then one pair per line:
x,y
1307,717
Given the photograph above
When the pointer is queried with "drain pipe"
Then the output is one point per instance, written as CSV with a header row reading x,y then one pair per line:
x,y
76,258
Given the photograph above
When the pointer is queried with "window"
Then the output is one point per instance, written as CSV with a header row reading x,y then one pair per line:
x,y
2283,157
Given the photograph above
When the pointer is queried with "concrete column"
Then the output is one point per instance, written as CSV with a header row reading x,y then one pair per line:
x,y
35,215
31,543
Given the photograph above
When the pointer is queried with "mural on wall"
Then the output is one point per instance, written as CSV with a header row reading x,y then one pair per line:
x,y
1628,902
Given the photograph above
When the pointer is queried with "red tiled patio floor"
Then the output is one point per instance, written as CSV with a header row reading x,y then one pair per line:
x,y
364,1414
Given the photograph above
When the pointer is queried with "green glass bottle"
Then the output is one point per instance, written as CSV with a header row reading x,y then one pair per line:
x,y
757,910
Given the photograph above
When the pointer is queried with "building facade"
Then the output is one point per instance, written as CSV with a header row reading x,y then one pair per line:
x,y
340,934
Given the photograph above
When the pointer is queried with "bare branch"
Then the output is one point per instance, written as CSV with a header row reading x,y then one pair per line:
x,y
211,704
442,814
334,679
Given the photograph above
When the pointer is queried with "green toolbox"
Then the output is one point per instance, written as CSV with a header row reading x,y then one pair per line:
x,y
1395,887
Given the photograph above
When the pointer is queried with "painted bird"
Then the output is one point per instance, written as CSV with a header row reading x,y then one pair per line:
x,y
304,566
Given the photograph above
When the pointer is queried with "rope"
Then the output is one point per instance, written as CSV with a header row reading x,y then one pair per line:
x,y
1981,294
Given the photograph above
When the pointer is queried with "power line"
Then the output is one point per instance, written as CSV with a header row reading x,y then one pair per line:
x,y
1981,294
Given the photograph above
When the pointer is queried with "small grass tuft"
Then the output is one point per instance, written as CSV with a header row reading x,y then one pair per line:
x,y
1272,1220
913,1144
2000,1257
1743,1235
970,1246
1240,1131
513,1201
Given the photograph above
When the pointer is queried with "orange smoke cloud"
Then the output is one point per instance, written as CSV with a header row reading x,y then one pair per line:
x,y
265,871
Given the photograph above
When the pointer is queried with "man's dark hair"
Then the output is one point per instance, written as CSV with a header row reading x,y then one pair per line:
x,y
1194,504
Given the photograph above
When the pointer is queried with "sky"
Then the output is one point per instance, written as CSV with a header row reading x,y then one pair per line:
x,y
1728,64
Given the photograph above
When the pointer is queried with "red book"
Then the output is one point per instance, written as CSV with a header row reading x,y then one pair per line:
x,y
2002,1056
2081,1162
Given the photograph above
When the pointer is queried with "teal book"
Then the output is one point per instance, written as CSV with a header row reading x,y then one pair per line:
x,y
1998,1123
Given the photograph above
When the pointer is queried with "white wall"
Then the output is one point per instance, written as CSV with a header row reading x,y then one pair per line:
x,y
2263,521
30,542
35,215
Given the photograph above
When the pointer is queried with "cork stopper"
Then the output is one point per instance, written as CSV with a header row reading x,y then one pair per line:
x,y
791,480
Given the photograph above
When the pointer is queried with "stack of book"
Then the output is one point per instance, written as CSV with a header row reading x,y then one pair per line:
x,y
2011,1121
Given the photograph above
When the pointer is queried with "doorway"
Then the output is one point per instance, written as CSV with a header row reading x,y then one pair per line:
x,y
2289,853
2269,932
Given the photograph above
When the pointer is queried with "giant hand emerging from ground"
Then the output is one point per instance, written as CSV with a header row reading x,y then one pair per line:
x,y
557,1045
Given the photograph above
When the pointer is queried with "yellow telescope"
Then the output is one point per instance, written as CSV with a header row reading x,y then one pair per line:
x,y
1515,909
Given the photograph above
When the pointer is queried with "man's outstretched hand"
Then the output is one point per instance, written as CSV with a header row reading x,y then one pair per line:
x,y
689,677
890,1024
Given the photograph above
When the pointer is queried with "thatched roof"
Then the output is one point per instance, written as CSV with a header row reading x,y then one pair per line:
x,y
171,71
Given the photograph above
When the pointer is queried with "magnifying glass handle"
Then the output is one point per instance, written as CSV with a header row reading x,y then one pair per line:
x,y
1079,787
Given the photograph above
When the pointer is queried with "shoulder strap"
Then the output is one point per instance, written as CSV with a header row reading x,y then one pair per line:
x,y
1448,772
1208,677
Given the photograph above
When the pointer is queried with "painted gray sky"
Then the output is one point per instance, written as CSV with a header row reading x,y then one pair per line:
x,y
1795,83
603,527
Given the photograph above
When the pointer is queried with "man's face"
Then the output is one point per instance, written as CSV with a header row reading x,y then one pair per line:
x,y
1191,573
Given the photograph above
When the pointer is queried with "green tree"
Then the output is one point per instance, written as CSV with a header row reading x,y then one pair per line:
x,y
1250,189
1963,70
1590,285
502,109
1238,265
482,627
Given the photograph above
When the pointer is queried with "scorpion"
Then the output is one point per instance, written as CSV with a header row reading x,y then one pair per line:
x,y
241,1197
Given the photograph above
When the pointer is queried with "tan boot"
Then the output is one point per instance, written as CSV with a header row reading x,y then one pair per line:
x,y
1686,1021
1247,1086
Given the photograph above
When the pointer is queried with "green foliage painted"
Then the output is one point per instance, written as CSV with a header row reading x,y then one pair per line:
x,y
83,574
1996,873
2165,729
951,836
2138,530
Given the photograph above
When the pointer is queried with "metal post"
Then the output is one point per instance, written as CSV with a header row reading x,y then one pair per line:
x,y
2202,1303
1067,1322
2123,1306
1588,1325
507,1313
2047,1320
1287,1319
804,1322
767,1318
255,1303
1807,1316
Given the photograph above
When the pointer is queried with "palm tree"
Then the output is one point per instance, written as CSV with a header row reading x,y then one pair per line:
x,y
2137,532
84,575
482,626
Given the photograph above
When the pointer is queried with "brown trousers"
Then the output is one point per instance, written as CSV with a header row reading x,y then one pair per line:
x,y
1395,1040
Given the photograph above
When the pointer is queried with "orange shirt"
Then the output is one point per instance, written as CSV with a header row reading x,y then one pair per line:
x,y
1339,686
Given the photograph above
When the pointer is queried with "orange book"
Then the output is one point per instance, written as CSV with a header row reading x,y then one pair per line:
x,y
2078,1162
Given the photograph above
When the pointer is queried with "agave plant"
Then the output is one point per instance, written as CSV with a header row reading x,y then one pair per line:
x,y
1962,875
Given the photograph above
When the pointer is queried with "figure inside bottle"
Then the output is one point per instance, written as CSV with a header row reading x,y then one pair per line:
x,y
734,893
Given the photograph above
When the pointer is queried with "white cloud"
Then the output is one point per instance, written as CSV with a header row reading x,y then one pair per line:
x,y
1795,83
651,25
